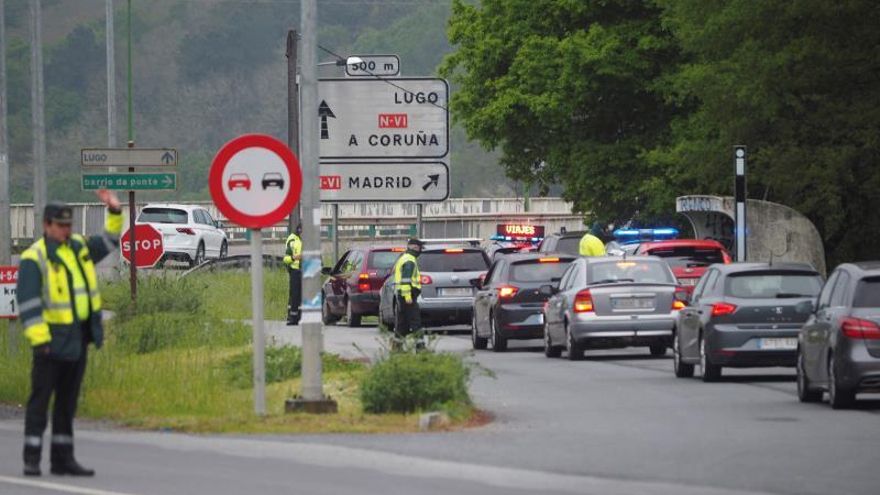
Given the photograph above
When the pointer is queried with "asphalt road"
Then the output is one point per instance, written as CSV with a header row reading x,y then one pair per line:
x,y
617,423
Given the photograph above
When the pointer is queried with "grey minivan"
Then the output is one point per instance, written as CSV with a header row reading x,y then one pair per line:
x,y
743,315
839,345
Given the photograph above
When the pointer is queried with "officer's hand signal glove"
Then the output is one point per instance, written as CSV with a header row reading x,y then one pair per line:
x,y
408,299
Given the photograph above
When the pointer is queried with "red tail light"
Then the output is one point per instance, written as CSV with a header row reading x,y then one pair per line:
x,y
548,260
583,302
723,309
453,250
507,291
856,328
186,230
426,280
397,250
364,282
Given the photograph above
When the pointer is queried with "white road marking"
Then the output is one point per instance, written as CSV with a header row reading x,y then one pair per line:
x,y
45,485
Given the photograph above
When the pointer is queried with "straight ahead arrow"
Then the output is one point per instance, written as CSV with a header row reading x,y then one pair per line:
x,y
167,157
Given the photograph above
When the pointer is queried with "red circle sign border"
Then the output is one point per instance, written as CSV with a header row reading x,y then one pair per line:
x,y
215,180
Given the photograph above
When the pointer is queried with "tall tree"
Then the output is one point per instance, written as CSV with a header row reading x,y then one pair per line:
x,y
799,83
565,90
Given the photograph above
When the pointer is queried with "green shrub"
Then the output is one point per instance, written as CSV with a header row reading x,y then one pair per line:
x,y
165,293
282,363
407,382
146,333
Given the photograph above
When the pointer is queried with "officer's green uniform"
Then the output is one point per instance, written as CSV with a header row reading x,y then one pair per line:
x,y
408,286
60,308
591,245
293,261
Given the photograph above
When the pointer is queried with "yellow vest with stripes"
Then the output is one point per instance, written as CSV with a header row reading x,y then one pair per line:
x,y
405,285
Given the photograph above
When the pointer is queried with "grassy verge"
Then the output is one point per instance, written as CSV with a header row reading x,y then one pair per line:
x,y
182,361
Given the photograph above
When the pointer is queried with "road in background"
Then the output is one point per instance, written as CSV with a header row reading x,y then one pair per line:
x,y
618,422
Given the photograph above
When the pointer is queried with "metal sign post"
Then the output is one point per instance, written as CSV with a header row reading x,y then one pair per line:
x,y
739,160
258,331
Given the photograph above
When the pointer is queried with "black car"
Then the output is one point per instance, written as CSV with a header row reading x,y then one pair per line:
x,y
508,304
743,315
839,345
272,179
563,242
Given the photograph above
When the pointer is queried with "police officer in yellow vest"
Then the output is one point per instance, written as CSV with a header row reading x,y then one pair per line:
x,y
408,285
293,260
591,245
60,308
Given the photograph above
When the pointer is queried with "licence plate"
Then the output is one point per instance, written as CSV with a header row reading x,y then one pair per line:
x,y
785,344
688,281
633,303
455,291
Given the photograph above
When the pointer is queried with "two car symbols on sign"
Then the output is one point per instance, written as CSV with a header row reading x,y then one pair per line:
x,y
243,181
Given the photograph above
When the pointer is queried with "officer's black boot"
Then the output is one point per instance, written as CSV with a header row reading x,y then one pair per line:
x,y
63,462
32,460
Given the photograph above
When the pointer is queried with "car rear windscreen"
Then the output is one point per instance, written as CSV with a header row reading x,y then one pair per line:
x,y
640,271
536,271
684,257
163,215
568,245
442,261
383,259
772,285
867,293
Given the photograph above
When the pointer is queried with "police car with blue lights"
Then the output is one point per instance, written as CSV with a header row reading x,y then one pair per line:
x,y
626,241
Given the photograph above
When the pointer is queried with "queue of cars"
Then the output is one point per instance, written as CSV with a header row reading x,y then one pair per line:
x,y
683,294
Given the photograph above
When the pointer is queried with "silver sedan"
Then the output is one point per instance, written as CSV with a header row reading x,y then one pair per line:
x,y
608,302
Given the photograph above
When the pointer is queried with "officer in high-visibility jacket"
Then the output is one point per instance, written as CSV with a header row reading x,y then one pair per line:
x,y
408,286
293,261
591,245
60,308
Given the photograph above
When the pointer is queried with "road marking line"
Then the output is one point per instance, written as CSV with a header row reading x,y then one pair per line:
x,y
80,490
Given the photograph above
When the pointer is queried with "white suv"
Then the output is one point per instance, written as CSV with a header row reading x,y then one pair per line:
x,y
189,233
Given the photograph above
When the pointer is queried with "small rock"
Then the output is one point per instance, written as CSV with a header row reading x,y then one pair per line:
x,y
433,421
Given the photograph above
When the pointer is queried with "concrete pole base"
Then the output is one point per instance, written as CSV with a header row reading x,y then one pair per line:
x,y
320,406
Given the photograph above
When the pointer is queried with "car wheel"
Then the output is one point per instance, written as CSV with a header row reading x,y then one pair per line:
x,y
499,343
682,369
477,341
550,350
657,350
200,256
326,315
575,350
354,320
224,250
839,397
804,391
708,372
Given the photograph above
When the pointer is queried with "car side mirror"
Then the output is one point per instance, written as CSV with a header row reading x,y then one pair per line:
x,y
326,270
805,307
548,290
476,282
218,224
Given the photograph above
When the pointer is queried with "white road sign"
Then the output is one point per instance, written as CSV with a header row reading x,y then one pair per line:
x,y
419,182
8,280
374,66
129,157
383,118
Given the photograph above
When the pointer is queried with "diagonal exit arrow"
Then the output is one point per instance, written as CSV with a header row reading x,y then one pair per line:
x,y
324,112
433,180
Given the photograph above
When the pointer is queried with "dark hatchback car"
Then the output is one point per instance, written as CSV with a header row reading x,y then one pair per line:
x,y
743,315
839,345
509,303
447,296
563,242
688,258
353,284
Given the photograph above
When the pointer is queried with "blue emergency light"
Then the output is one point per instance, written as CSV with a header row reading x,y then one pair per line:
x,y
634,236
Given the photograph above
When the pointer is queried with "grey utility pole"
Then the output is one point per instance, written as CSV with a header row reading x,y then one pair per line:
x,y
293,114
111,77
5,220
39,124
312,397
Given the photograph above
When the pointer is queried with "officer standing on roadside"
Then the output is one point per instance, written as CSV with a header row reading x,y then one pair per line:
x,y
591,245
293,261
408,286
60,308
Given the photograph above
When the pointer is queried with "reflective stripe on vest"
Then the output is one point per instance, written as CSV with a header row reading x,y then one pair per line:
x,y
57,300
415,281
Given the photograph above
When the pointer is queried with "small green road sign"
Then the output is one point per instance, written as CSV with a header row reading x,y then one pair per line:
x,y
130,181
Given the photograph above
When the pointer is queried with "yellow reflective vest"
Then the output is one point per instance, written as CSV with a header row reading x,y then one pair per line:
x,y
293,252
591,245
405,283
